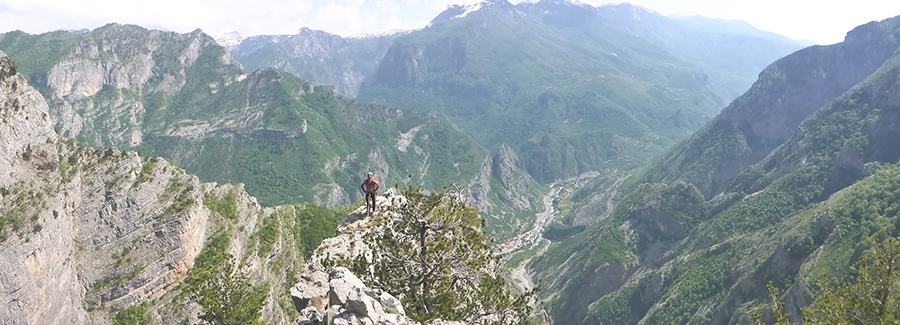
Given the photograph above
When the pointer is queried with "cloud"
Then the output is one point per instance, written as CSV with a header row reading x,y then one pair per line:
x,y
815,20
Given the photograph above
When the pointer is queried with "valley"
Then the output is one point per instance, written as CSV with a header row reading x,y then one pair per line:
x,y
540,162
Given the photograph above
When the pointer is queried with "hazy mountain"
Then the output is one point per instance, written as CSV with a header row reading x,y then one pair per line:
x,y
789,184
734,27
316,56
571,88
180,96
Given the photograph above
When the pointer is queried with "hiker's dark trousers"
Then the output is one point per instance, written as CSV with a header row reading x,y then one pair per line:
x,y
372,206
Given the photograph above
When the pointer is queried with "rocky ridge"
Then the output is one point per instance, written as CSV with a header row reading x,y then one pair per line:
x,y
771,111
326,292
87,232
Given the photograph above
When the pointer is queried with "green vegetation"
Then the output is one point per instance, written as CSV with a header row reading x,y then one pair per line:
x,y
874,298
225,206
115,280
224,293
435,256
313,223
267,235
146,173
615,308
699,278
183,201
284,164
20,209
8,69
134,315
775,306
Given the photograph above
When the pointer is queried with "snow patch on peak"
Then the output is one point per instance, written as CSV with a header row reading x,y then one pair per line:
x,y
467,9
636,12
229,40
463,10
387,32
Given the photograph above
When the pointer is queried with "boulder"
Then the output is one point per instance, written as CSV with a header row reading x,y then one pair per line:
x,y
343,283
311,291
390,304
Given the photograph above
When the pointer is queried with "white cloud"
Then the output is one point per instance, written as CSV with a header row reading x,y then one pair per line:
x,y
824,22
821,21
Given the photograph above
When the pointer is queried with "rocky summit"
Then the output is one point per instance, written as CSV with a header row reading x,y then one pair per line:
x,y
337,294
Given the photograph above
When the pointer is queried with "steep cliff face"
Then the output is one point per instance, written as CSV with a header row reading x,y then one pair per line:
x,y
86,232
787,92
85,227
798,177
514,180
97,83
39,281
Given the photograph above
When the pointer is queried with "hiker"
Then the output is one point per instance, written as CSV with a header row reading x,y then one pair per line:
x,y
370,187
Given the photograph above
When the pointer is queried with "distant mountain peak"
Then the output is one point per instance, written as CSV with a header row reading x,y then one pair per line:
x,y
568,2
229,40
636,9
314,33
631,12
460,11
382,33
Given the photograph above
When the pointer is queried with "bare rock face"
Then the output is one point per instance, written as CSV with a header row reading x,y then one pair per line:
x,y
509,170
121,63
84,227
38,283
87,232
118,59
23,118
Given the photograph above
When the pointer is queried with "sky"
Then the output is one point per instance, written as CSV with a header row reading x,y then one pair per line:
x,y
822,22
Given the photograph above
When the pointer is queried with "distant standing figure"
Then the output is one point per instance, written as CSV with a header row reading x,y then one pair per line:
x,y
370,187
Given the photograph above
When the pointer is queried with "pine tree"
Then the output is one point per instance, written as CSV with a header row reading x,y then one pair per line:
x,y
873,299
434,255
225,294
777,308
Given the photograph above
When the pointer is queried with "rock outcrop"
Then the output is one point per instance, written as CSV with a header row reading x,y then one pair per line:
x,y
335,293
87,232
343,298
510,172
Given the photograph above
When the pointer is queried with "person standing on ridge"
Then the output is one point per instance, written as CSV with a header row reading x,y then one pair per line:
x,y
370,187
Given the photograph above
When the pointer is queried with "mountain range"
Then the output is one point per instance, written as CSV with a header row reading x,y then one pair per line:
x,y
791,183
180,96
571,88
698,184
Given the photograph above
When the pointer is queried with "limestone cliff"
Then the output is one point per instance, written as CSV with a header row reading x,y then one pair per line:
x,y
86,232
